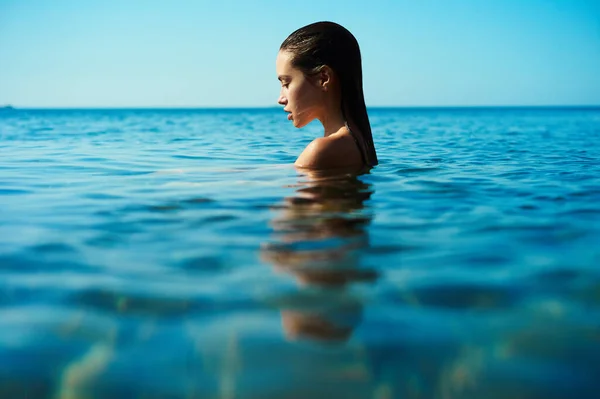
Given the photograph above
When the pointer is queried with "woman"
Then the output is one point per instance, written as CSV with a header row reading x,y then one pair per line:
x,y
319,67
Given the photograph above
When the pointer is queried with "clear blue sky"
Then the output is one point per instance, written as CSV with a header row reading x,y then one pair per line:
x,y
127,53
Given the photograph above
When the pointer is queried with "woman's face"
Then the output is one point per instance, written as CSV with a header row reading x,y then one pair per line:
x,y
300,96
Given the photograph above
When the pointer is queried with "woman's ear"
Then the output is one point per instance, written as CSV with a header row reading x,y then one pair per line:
x,y
325,77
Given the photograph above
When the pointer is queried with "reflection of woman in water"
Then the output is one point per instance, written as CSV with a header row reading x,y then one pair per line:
x,y
320,70
320,234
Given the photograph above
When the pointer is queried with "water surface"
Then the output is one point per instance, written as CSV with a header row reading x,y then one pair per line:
x,y
177,253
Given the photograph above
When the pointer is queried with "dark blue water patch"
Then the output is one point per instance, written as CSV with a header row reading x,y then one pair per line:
x,y
593,213
396,248
586,192
434,160
548,237
195,201
284,157
102,196
104,213
108,240
42,129
441,187
169,207
587,292
550,198
529,207
460,296
117,227
567,281
539,378
22,296
53,247
214,218
487,260
152,208
560,275
93,159
411,170
398,226
128,172
116,302
34,261
379,178
543,227
202,264
193,157
24,291
14,191
158,221
141,305
28,375
414,330
184,139
22,383
93,133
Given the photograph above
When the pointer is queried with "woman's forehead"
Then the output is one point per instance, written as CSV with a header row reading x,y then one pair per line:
x,y
284,62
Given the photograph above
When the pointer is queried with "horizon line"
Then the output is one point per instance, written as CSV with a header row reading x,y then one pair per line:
x,y
167,107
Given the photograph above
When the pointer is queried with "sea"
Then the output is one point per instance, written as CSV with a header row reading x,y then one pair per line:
x,y
177,253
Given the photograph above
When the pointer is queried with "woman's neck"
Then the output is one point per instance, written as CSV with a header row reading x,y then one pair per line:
x,y
332,122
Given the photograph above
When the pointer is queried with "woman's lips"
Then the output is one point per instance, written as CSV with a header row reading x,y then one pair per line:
x,y
290,116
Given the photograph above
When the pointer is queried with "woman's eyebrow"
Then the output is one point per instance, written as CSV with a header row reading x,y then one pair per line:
x,y
283,77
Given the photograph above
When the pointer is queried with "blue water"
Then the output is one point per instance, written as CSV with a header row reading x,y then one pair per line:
x,y
177,253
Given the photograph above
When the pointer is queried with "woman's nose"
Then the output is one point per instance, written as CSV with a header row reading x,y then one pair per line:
x,y
282,100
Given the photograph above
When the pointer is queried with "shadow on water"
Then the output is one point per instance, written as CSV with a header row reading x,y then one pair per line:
x,y
319,234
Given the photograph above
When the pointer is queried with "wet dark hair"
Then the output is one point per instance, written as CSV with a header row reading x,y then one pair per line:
x,y
327,43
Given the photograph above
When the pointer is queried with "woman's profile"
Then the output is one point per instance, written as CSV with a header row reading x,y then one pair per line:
x,y
319,67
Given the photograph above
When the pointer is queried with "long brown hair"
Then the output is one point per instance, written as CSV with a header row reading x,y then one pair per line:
x,y
327,43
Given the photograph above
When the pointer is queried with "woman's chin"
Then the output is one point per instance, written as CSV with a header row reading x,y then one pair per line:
x,y
298,123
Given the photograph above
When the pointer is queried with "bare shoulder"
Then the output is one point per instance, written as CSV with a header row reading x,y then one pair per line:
x,y
335,151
